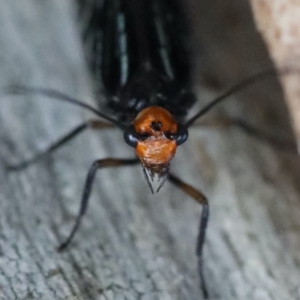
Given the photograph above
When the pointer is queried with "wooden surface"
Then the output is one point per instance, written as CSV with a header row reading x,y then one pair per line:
x,y
133,245
278,21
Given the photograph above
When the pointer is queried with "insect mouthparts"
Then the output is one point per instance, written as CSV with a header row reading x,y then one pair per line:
x,y
156,175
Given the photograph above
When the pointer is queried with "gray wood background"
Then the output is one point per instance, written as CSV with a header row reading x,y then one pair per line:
x,y
133,245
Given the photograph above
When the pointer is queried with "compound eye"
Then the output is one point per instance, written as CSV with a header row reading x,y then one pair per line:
x,y
181,135
143,136
171,136
130,136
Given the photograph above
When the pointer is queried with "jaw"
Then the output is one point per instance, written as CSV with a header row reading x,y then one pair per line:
x,y
156,174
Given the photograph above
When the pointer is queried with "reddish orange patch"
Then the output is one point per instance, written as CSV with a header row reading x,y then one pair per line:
x,y
157,149
153,152
142,122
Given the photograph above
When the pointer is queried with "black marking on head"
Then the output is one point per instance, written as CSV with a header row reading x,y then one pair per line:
x,y
156,126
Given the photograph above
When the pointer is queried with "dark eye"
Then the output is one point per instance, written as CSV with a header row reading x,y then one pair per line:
x,y
171,136
130,136
182,134
143,136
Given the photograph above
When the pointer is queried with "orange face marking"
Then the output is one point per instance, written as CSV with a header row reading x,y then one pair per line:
x,y
156,149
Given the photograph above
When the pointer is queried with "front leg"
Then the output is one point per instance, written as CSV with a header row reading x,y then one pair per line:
x,y
200,198
98,164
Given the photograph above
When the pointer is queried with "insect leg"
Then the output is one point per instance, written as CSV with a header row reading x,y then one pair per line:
x,y
229,122
98,164
94,124
200,198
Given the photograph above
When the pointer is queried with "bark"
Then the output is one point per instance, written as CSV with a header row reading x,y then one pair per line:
x,y
133,245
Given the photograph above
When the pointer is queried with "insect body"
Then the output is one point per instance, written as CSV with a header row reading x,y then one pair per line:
x,y
144,68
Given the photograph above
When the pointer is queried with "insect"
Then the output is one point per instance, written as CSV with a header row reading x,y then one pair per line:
x,y
146,79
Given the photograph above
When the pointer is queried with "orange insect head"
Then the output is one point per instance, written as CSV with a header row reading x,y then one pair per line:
x,y
155,135
155,125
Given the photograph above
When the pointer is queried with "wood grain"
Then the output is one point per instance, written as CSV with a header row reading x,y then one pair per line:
x,y
133,245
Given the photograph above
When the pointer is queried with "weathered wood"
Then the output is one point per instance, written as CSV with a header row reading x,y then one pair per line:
x,y
278,21
133,245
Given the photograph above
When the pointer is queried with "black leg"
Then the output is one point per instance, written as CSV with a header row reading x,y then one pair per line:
x,y
200,198
98,164
228,122
94,124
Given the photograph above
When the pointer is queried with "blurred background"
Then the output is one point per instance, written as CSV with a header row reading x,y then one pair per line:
x,y
133,245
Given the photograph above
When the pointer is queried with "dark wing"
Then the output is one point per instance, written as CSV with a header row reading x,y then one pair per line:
x,y
138,51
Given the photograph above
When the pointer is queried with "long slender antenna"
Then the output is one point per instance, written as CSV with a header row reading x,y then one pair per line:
x,y
18,89
247,82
